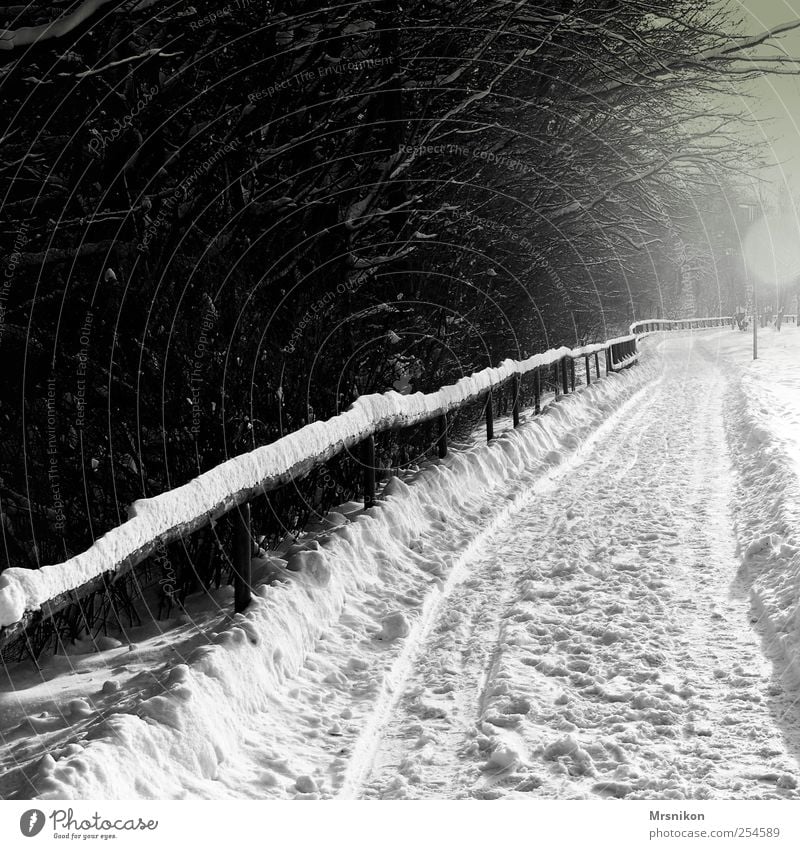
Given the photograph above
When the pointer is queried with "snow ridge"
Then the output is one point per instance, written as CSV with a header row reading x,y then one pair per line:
x,y
768,512
172,514
180,741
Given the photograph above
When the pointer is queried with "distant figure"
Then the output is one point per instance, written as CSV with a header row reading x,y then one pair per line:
x,y
741,320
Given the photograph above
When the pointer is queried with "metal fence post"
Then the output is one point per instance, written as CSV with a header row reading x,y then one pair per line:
x,y
564,378
588,371
489,417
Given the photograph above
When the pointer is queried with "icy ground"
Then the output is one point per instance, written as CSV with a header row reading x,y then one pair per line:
x,y
603,603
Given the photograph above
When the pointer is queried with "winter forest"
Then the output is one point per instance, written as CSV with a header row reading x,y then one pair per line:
x,y
224,223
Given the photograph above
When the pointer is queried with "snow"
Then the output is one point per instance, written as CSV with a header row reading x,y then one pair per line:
x,y
765,425
13,598
669,324
242,477
394,625
264,698
602,603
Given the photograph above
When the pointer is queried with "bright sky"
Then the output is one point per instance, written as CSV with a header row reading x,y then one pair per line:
x,y
777,98
772,245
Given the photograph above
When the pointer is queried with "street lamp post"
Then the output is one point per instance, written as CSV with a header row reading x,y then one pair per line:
x,y
755,319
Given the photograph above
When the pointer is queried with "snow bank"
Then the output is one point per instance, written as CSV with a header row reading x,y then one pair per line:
x,y
764,435
197,718
235,481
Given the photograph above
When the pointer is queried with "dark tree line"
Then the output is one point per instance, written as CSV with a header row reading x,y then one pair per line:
x,y
223,221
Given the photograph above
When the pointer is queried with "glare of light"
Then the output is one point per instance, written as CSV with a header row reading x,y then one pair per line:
x,y
772,249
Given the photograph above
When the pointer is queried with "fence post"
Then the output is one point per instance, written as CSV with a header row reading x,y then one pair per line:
x,y
564,378
441,441
537,392
597,364
242,557
572,373
555,378
515,406
588,371
608,359
368,462
489,417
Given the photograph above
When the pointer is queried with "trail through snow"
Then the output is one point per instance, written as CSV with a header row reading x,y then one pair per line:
x,y
596,605
603,644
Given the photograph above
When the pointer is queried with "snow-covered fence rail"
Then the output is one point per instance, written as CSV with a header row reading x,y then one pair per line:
x,y
28,596
654,324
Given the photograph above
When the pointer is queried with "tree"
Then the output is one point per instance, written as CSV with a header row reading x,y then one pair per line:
x,y
222,221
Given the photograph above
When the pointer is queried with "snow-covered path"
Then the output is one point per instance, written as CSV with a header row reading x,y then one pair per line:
x,y
604,637
599,641
565,613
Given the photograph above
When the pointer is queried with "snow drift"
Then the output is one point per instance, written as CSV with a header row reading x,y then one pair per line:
x,y
764,435
197,717
186,508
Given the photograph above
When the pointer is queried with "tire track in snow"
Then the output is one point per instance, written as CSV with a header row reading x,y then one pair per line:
x,y
366,748
622,661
